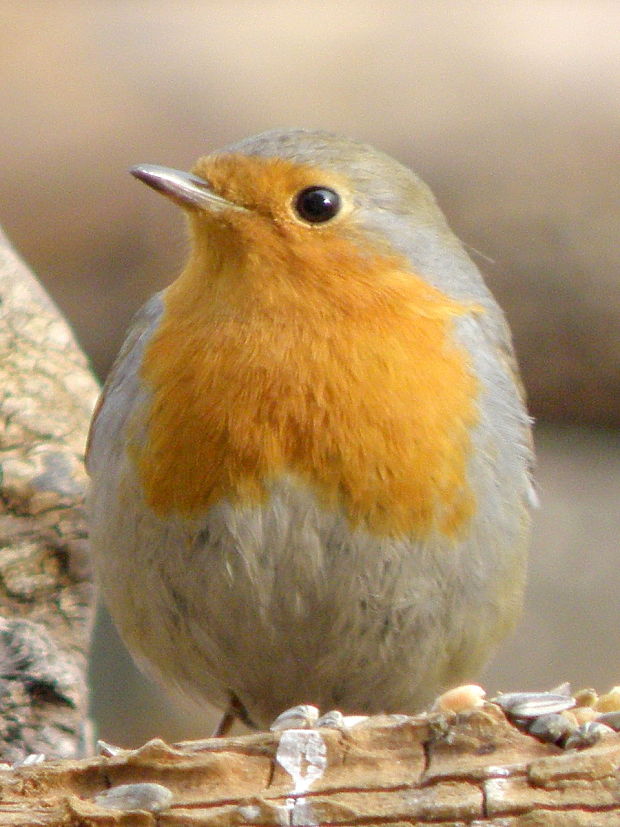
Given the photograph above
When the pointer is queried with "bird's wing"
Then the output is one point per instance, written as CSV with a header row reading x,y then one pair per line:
x,y
126,366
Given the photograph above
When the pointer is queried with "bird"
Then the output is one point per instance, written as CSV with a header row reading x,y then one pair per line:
x,y
311,463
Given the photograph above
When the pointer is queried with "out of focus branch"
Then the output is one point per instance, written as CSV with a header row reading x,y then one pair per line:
x,y
46,396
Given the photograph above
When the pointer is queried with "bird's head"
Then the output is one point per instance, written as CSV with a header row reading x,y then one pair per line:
x,y
295,212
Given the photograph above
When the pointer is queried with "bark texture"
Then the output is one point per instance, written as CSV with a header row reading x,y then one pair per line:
x,y
475,769
46,397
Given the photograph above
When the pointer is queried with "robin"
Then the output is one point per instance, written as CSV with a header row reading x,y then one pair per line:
x,y
311,460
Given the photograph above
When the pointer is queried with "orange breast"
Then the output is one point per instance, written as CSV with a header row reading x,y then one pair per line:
x,y
347,376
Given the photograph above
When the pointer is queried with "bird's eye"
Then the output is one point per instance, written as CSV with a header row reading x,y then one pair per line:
x,y
317,204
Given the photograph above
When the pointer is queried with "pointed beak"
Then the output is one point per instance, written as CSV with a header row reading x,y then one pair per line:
x,y
185,189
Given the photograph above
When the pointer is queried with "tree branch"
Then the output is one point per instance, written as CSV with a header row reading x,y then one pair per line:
x,y
46,397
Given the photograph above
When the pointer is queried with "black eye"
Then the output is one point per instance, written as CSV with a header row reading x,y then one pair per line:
x,y
317,204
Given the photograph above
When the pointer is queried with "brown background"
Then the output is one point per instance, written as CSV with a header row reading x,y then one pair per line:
x,y
509,110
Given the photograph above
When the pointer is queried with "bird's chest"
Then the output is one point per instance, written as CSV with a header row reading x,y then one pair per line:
x,y
374,418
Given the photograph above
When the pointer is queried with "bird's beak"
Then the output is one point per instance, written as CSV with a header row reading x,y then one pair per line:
x,y
185,189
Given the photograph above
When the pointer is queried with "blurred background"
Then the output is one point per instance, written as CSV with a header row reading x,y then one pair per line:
x,y
510,110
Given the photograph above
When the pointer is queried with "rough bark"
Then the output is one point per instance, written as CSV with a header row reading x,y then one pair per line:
x,y
475,769
46,397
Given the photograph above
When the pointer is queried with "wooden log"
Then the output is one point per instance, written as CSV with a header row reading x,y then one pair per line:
x,y
473,768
